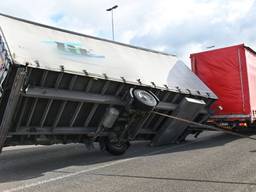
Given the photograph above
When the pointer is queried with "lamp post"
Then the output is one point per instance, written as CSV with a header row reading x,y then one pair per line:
x,y
112,18
210,47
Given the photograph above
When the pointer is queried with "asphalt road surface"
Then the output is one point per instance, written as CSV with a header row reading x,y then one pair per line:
x,y
214,162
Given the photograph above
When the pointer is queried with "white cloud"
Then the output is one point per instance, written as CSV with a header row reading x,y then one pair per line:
x,y
127,36
179,27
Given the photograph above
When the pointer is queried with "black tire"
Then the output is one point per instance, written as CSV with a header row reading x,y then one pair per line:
x,y
116,148
144,100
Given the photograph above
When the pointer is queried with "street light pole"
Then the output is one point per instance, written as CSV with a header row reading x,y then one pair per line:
x,y
112,19
210,47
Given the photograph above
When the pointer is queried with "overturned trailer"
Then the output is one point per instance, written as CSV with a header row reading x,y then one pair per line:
x,y
59,86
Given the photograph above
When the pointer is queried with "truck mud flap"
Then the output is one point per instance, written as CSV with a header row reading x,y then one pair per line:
x,y
172,129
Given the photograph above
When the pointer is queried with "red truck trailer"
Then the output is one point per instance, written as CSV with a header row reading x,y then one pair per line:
x,y
231,73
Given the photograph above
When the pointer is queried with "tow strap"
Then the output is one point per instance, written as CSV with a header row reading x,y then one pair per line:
x,y
204,126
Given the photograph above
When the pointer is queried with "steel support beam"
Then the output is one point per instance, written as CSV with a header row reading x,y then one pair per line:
x,y
56,131
51,93
58,94
11,105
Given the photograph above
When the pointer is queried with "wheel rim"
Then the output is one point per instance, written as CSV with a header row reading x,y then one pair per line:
x,y
145,97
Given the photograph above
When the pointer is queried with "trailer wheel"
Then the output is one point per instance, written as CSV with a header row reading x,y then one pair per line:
x,y
144,100
116,148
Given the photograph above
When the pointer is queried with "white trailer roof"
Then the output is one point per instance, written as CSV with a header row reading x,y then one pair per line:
x,y
56,49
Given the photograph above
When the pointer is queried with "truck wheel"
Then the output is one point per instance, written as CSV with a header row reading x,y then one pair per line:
x,y
144,100
116,148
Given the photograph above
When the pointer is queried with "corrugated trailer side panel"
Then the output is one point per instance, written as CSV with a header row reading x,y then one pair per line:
x,y
224,71
251,70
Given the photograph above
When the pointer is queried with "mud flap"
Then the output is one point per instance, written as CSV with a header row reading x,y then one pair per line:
x,y
172,129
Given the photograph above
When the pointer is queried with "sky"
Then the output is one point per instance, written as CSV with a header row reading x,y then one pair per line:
x,y
178,27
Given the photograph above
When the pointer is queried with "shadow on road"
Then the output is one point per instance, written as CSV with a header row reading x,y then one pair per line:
x,y
35,162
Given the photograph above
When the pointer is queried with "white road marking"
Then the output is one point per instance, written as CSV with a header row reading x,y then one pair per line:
x,y
26,186
15,148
